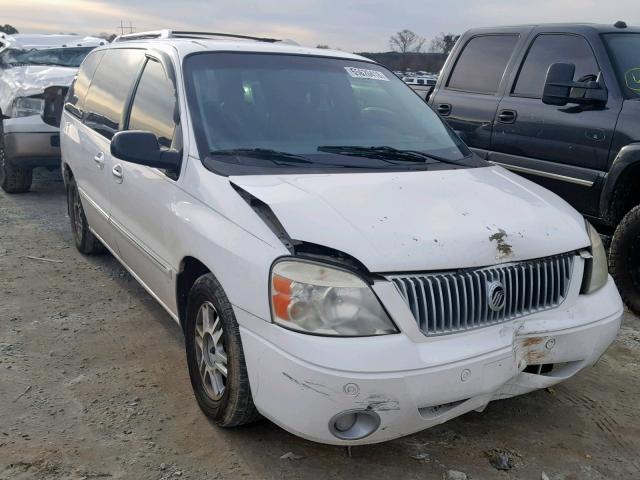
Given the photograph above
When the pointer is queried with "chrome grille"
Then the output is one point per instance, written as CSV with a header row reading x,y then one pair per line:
x,y
456,301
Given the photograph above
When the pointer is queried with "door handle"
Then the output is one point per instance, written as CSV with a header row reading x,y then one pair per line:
x,y
444,109
117,172
507,116
99,159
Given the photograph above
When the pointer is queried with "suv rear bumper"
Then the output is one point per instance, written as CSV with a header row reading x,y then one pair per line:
x,y
29,142
405,388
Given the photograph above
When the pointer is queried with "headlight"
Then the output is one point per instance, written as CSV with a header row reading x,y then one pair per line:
x,y
319,299
596,270
26,106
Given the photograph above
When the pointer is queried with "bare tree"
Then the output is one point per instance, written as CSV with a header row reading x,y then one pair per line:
x,y
8,29
406,41
444,42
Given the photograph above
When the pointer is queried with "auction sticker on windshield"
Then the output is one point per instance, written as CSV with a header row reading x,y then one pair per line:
x,y
366,73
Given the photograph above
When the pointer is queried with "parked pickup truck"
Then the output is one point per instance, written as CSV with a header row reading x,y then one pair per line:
x,y
560,105
35,73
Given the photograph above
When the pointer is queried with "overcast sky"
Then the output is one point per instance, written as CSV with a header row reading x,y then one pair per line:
x,y
353,25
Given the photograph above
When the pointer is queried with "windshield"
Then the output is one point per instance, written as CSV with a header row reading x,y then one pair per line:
x,y
316,108
63,57
625,52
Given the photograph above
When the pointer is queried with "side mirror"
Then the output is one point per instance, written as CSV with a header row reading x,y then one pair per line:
x,y
53,105
560,89
141,147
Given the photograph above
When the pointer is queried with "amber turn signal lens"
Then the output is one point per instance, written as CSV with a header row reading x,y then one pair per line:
x,y
281,304
281,285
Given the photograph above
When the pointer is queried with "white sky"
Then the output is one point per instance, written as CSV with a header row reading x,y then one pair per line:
x,y
353,25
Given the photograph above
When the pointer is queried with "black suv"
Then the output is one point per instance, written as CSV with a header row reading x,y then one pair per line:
x,y
559,104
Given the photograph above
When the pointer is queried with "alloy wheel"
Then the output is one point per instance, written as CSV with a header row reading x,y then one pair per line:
x,y
211,356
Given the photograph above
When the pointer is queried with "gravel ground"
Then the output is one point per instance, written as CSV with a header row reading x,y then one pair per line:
x,y
94,384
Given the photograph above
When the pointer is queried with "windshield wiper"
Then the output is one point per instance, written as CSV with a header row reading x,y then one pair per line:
x,y
263,154
385,153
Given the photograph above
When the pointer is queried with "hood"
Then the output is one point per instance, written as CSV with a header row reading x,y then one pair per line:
x,y
31,80
421,221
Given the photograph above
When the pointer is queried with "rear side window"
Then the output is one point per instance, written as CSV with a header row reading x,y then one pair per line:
x,y
482,63
553,48
80,86
109,90
154,104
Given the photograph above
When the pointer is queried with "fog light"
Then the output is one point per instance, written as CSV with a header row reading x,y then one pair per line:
x,y
344,422
354,424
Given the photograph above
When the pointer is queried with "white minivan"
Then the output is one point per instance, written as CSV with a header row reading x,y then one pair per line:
x,y
338,259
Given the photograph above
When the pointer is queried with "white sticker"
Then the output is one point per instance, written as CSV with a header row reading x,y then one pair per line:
x,y
366,73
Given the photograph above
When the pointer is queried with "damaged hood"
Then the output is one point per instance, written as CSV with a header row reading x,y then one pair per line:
x,y
419,221
31,80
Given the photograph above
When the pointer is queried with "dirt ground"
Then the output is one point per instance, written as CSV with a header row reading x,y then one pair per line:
x,y
94,384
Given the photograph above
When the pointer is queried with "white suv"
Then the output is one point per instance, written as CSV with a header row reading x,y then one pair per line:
x,y
339,261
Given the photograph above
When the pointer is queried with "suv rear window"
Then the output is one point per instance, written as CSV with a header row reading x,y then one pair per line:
x,y
482,63
553,48
109,90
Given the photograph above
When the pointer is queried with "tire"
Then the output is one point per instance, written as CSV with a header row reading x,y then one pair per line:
x,y
212,335
13,179
624,259
85,241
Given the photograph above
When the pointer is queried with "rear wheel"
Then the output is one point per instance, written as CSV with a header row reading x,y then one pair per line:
x,y
215,357
624,258
13,179
85,241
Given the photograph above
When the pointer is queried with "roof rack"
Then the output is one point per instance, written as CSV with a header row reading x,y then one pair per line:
x,y
186,34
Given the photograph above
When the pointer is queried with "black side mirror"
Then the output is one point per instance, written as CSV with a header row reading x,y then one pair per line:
x,y
53,105
141,147
559,85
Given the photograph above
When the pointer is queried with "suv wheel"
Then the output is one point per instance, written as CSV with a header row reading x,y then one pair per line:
x,y
215,357
624,258
85,241
13,179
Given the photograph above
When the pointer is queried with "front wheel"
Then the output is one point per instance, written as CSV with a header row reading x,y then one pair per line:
x,y
624,259
215,357
13,179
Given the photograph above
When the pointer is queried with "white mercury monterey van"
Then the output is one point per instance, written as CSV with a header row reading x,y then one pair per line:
x,y
339,261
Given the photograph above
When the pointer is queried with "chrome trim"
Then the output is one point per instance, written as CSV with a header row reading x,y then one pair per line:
x,y
97,207
540,173
456,301
166,269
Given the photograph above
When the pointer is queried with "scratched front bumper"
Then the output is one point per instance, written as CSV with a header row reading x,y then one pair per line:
x,y
300,381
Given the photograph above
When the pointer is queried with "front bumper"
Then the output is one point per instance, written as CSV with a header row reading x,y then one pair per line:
x,y
414,382
29,142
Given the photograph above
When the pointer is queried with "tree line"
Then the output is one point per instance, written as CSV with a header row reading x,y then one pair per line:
x,y
406,41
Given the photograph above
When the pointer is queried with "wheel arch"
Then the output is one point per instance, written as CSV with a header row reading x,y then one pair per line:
x,y
619,195
67,173
191,268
